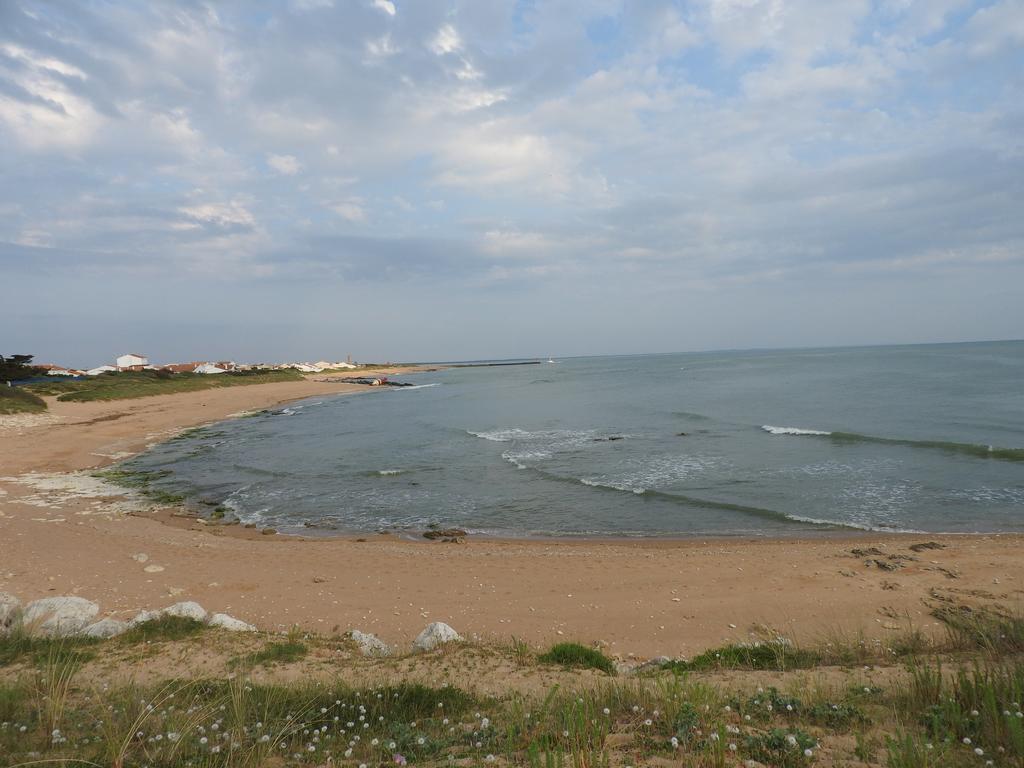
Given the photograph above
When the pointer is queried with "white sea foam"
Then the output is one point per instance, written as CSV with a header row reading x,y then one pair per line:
x,y
388,472
419,386
792,431
851,524
502,435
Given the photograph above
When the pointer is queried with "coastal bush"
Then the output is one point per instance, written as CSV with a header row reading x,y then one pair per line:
x,y
577,655
19,400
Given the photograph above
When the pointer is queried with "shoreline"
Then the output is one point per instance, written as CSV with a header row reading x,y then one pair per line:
x,y
642,596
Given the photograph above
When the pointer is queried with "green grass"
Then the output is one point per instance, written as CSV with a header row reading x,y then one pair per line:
x,y
285,652
20,646
576,655
120,386
19,400
167,628
776,654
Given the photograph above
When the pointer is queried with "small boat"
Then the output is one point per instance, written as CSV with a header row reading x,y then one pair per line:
x,y
550,360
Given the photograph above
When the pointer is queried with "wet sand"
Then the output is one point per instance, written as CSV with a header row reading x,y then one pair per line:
x,y
64,532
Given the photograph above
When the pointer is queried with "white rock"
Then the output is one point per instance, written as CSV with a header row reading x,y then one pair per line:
x,y
230,623
369,645
10,611
434,635
105,628
186,610
60,616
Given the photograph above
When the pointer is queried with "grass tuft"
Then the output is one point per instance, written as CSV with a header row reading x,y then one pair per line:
x,y
577,655
163,628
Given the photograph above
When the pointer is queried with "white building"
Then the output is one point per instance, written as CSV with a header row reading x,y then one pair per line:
x,y
208,368
132,361
99,370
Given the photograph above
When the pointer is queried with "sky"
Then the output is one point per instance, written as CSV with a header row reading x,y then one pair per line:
x,y
465,179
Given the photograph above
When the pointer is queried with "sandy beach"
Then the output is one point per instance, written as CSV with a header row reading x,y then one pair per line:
x,y
64,532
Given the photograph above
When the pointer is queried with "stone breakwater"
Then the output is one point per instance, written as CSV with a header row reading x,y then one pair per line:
x,y
73,616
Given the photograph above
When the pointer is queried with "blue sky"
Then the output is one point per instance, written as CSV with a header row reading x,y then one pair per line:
x,y
491,178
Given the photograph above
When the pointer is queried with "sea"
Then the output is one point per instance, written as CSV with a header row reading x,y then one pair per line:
x,y
779,443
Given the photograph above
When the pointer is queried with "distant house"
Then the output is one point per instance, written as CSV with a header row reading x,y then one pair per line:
x,y
58,370
132,362
101,369
209,368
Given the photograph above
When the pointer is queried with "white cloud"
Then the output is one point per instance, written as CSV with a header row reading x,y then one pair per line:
x,y
351,210
446,40
385,5
229,214
284,164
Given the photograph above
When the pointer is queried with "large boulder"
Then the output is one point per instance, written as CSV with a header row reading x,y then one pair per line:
x,y
185,610
230,623
10,611
434,635
369,645
60,616
106,628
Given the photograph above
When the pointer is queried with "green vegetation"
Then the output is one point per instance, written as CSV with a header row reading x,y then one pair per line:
x,y
956,709
19,400
19,646
166,628
18,367
143,481
576,655
124,385
773,654
279,653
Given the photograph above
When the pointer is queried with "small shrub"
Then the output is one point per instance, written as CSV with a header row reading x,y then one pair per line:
x,y
576,655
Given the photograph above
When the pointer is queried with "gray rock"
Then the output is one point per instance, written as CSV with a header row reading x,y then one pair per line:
x,y
106,628
10,612
369,645
230,623
652,665
60,616
434,635
186,610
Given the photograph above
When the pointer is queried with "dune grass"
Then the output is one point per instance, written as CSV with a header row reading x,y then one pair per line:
x,y
942,710
577,655
163,628
19,400
126,385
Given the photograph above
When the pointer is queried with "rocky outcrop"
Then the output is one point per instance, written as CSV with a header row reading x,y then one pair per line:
x,y
106,628
185,610
59,616
10,612
435,635
369,645
230,623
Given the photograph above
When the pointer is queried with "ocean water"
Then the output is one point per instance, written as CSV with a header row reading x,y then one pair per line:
x,y
763,443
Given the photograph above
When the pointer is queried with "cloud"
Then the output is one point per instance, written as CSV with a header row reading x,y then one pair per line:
x,y
284,164
633,147
350,210
446,40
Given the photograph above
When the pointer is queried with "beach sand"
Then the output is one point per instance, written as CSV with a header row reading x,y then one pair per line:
x,y
64,532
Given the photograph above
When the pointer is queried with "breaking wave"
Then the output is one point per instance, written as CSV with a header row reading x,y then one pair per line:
x,y
977,450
